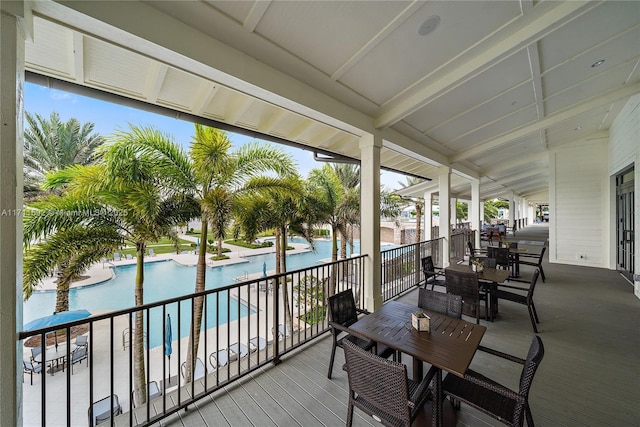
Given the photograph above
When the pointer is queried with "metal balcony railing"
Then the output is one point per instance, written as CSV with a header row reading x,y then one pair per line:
x,y
244,326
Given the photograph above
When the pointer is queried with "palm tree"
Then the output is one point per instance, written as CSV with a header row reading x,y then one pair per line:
x,y
51,144
217,178
284,209
126,192
349,176
417,201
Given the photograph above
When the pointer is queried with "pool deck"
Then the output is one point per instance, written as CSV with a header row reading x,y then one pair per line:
x,y
103,271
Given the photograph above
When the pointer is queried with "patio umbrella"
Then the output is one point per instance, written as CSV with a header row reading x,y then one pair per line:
x,y
167,341
56,319
264,269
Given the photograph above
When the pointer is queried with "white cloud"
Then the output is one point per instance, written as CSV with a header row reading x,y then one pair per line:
x,y
61,96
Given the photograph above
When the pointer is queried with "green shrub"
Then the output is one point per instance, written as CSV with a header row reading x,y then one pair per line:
x,y
218,258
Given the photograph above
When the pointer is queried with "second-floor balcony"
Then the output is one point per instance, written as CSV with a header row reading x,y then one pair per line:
x,y
264,366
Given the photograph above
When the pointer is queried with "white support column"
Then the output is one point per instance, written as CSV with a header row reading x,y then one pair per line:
x,y
512,208
428,214
454,212
474,211
444,189
11,141
370,146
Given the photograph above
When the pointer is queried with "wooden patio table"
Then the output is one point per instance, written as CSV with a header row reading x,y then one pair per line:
x,y
449,346
492,276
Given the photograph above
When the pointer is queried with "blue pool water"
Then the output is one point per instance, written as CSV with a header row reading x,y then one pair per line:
x,y
164,280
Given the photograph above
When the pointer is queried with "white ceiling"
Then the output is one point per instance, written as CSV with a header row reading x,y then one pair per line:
x,y
494,88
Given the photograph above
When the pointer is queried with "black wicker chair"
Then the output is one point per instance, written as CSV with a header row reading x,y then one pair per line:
x,y
430,273
448,304
501,255
534,260
525,297
342,314
473,252
506,405
381,388
466,285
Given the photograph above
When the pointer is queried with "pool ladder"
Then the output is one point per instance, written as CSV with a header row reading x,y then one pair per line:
x,y
243,277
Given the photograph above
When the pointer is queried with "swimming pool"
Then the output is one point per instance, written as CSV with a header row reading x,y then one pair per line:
x,y
164,280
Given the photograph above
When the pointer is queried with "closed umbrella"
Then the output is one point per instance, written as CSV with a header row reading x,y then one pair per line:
x,y
264,269
167,341
56,319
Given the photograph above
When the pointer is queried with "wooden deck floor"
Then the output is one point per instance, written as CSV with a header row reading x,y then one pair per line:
x,y
590,375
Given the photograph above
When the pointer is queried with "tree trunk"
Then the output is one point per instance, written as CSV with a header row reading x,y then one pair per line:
x,y
62,290
139,374
343,253
418,221
283,280
219,252
198,303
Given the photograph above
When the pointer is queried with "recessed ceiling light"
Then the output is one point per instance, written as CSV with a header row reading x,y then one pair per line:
x,y
597,63
430,24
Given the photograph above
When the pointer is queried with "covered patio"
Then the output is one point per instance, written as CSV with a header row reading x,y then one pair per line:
x,y
589,375
483,100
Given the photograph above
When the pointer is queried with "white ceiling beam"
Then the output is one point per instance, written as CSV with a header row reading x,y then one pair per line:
x,y
274,119
155,80
304,127
326,135
515,162
255,15
378,38
524,31
77,56
235,112
204,97
609,98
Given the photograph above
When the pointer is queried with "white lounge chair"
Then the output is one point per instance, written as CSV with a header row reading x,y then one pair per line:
x,y
238,349
116,256
219,358
151,252
198,373
129,256
257,343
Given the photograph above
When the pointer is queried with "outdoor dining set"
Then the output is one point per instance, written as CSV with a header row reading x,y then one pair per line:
x,y
381,386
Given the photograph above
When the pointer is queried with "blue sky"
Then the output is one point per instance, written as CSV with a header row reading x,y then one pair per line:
x,y
109,117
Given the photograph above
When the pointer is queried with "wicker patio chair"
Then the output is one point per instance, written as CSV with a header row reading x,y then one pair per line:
x,y
430,273
466,285
521,296
534,260
501,256
473,252
506,405
448,304
380,388
342,314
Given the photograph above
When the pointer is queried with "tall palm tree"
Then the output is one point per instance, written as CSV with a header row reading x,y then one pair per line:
x,y
284,210
51,144
126,192
218,178
418,203
349,176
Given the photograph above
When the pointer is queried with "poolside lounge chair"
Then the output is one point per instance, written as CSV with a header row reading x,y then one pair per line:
x,y
151,252
31,368
282,332
257,343
153,392
238,349
116,256
101,411
219,358
129,256
199,372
